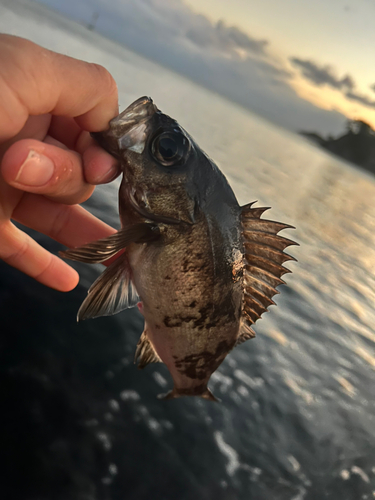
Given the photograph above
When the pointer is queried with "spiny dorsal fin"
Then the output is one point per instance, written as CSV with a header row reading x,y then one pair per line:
x,y
264,257
111,293
145,351
246,332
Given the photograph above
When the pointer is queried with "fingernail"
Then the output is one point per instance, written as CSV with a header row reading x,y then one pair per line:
x,y
36,170
109,176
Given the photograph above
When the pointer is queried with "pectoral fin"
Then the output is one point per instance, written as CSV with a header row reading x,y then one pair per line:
x,y
104,249
111,293
263,266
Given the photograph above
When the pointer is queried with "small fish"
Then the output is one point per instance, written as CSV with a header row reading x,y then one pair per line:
x,y
201,268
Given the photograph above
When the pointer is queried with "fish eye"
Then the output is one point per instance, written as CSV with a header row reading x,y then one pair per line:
x,y
170,148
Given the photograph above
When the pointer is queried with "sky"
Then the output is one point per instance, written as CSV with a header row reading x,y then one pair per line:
x,y
336,35
299,63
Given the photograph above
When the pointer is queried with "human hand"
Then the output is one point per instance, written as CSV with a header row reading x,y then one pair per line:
x,y
48,161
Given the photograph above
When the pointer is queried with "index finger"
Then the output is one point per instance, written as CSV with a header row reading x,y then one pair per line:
x,y
35,81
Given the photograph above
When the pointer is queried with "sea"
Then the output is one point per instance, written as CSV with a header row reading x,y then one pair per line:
x,y
296,420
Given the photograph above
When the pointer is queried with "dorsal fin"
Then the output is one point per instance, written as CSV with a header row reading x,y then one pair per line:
x,y
264,257
145,351
245,331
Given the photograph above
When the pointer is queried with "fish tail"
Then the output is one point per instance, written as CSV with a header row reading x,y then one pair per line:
x,y
179,393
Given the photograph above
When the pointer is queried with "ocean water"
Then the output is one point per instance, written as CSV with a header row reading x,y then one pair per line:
x,y
79,421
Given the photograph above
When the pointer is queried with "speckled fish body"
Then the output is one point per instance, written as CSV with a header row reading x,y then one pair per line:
x,y
189,284
202,268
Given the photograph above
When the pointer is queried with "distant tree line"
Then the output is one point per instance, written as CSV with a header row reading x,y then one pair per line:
x,y
356,145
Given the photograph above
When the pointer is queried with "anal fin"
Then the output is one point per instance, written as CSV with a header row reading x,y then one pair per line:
x,y
145,351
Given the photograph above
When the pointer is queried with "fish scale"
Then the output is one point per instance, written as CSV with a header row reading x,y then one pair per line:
x,y
202,269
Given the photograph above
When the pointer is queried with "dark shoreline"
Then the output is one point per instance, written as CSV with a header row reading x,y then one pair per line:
x,y
357,145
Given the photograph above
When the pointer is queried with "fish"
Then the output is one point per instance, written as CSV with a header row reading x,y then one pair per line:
x,y
201,268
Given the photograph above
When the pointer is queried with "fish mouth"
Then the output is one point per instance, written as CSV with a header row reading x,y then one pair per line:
x,y
129,129
138,112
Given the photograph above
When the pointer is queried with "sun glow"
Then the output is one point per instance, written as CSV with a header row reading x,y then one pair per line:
x,y
331,99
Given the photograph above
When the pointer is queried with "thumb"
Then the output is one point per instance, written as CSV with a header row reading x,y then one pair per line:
x,y
37,167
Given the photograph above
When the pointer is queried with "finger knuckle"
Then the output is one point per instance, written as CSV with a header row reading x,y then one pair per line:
x,y
13,120
60,223
15,256
47,266
106,79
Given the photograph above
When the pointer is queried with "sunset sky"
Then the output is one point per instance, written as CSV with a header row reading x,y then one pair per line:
x,y
335,34
299,63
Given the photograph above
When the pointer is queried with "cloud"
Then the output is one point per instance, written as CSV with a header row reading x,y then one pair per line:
x,y
325,75
354,96
220,57
174,19
322,75
223,37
